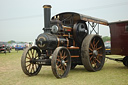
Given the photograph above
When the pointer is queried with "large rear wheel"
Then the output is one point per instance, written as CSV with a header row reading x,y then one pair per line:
x,y
61,62
93,53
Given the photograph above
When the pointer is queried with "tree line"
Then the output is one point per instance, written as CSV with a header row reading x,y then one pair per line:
x,y
106,38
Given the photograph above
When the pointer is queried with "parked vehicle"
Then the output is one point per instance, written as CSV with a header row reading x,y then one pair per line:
x,y
13,45
19,47
119,40
108,47
4,47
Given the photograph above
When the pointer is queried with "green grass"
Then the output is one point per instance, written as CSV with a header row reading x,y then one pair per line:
x,y
113,73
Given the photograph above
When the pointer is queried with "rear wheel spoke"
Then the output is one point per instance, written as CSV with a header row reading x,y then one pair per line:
x,y
97,43
64,57
59,66
90,53
91,57
99,48
64,67
98,61
90,49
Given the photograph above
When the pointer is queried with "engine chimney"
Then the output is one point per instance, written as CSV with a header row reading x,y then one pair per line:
x,y
47,16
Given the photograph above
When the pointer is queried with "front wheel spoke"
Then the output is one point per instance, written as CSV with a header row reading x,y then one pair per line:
x,y
36,55
27,61
28,57
29,67
33,67
36,66
32,53
29,54
31,70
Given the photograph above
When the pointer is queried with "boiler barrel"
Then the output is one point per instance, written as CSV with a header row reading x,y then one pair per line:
x,y
47,41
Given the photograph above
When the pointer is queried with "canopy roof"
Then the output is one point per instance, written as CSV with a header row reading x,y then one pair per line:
x,y
120,21
76,16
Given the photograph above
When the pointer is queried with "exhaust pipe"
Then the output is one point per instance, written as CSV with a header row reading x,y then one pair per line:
x,y
47,17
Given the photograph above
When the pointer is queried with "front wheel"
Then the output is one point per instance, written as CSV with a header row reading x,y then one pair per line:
x,y
28,64
61,62
93,53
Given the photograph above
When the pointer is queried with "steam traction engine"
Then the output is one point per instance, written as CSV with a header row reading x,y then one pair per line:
x,y
65,43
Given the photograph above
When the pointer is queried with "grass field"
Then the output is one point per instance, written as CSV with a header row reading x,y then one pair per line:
x,y
113,73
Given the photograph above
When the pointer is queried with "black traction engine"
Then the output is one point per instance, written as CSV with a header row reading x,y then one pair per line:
x,y
65,43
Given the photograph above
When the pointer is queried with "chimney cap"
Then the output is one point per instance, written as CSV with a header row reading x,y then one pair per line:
x,y
47,6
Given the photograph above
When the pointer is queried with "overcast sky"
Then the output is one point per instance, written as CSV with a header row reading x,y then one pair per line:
x,y
22,20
